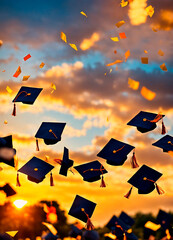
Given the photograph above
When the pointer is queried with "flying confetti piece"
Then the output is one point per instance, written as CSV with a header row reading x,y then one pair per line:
x,y
115,39
18,72
122,35
63,37
50,227
152,226
73,46
149,10
53,87
145,51
148,94
144,60
47,158
108,72
133,84
3,71
119,24
1,43
12,233
42,65
5,122
115,51
113,63
163,67
127,55
25,78
161,53
83,14
9,90
123,3
27,57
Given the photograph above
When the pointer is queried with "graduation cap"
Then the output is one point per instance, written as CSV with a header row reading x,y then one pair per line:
x,y
8,190
5,236
92,171
115,152
164,219
166,143
7,152
50,132
145,181
75,231
147,233
65,163
83,209
146,121
26,95
51,236
91,235
36,169
126,219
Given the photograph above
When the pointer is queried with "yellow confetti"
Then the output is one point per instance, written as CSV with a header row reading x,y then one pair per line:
x,y
123,3
163,67
144,60
73,46
127,55
152,226
9,90
12,233
53,87
145,51
115,39
5,122
148,94
42,65
119,24
50,227
83,14
63,37
47,158
149,10
109,71
113,63
161,53
133,84
25,78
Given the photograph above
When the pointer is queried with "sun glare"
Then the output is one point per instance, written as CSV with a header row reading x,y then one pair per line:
x,y
20,203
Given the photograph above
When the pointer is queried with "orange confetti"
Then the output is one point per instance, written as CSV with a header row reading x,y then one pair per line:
x,y
122,35
161,53
25,78
3,70
149,10
27,57
133,84
84,14
5,122
119,24
63,37
113,63
115,51
148,94
42,65
144,60
163,67
145,51
17,73
73,46
127,55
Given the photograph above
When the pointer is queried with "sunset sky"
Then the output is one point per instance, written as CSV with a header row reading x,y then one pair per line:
x,y
95,106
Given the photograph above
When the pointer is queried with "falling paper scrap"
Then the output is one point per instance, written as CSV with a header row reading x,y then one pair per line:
x,y
42,65
17,73
127,55
53,87
27,57
148,94
149,10
5,122
83,14
12,233
122,35
25,78
119,24
9,90
144,60
133,84
163,67
63,37
145,51
115,39
161,53
73,46
124,3
113,63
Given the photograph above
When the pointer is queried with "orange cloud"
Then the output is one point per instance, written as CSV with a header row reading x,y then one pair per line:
x,y
137,12
87,43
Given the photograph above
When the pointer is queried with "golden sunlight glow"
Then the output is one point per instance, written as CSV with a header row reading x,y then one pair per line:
x,y
137,12
19,203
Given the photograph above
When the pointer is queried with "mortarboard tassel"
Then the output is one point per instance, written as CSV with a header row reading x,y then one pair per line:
x,y
163,128
134,161
14,110
17,181
124,236
129,193
159,189
16,162
37,145
89,225
51,180
103,184
168,235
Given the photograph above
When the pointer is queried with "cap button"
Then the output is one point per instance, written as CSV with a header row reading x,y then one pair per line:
x,y
144,119
35,169
144,178
169,142
114,151
82,209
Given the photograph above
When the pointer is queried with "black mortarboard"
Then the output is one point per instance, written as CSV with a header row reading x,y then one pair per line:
x,y
91,171
82,209
131,236
50,236
75,231
164,219
147,233
145,180
126,219
118,227
8,190
7,152
91,235
115,152
26,95
66,163
145,121
36,169
166,143
50,132
5,236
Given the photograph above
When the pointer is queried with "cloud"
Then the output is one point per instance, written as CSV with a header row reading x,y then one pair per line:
x,y
87,43
137,13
